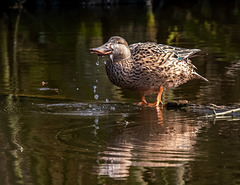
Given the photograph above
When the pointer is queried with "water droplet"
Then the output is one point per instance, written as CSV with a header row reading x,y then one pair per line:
x,y
97,63
77,89
96,96
94,88
96,120
113,108
124,115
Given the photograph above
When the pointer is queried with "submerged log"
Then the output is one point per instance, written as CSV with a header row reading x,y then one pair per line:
x,y
210,110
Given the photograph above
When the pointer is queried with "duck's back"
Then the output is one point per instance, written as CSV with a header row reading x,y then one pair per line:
x,y
153,51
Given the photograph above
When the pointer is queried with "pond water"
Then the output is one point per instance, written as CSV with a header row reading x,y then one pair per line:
x,y
63,122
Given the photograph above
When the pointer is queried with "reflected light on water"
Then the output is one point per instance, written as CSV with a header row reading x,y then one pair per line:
x,y
147,144
153,138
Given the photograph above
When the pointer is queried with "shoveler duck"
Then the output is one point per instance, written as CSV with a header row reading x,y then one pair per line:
x,y
147,67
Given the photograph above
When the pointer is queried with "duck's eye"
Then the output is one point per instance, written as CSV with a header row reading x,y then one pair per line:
x,y
109,46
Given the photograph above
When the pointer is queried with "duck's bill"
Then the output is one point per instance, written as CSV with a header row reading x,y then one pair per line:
x,y
102,50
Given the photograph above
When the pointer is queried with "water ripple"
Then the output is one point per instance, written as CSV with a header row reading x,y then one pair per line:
x,y
85,109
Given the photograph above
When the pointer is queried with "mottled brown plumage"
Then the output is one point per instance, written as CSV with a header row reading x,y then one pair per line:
x,y
147,67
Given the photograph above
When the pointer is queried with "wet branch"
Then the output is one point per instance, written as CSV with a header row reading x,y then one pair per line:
x,y
215,114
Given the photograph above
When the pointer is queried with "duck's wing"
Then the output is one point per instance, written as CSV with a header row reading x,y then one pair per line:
x,y
182,53
146,52
153,51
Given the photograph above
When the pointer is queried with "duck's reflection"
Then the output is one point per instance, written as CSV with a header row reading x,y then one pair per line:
x,y
153,138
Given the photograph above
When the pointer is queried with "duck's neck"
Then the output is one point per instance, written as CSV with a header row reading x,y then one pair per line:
x,y
120,53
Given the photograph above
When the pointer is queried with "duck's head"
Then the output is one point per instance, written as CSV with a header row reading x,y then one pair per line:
x,y
116,47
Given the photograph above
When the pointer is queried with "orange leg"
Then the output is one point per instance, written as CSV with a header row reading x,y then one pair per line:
x,y
143,100
159,98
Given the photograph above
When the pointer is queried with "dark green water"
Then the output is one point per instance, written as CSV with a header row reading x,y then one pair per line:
x,y
63,122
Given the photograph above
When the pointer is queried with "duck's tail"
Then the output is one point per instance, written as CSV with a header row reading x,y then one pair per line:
x,y
196,75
